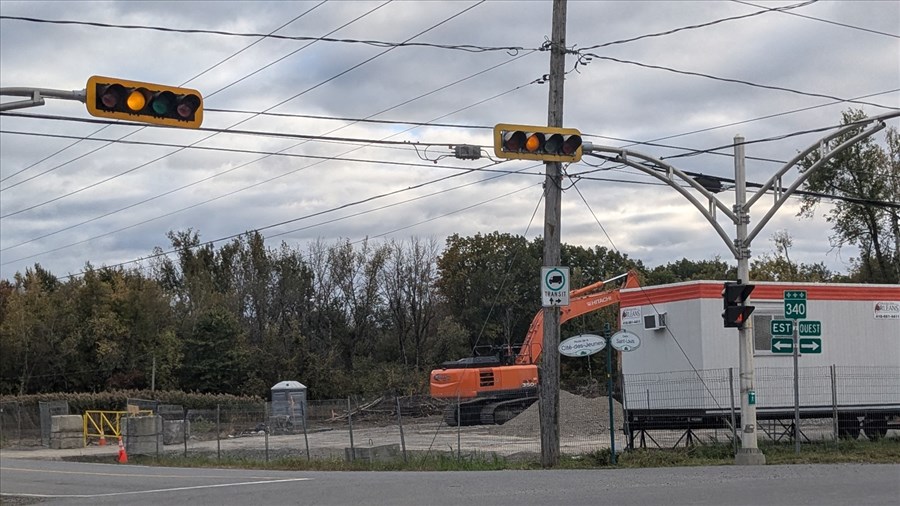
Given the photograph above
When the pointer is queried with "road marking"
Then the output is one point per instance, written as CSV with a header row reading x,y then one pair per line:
x,y
153,491
86,473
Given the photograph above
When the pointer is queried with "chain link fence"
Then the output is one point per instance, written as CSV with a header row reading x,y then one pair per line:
x,y
660,411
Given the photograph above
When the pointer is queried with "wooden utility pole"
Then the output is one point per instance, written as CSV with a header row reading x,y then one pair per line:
x,y
549,379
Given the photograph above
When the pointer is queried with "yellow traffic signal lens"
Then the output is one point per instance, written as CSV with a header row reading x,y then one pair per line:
x,y
534,143
136,101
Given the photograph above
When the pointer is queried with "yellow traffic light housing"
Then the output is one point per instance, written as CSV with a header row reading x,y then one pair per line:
x,y
109,97
548,144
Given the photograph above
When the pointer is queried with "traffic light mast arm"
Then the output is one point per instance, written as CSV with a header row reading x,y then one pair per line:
x,y
37,97
781,195
625,156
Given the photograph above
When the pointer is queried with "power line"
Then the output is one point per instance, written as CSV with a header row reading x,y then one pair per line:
x,y
845,25
270,108
375,43
220,62
734,81
765,10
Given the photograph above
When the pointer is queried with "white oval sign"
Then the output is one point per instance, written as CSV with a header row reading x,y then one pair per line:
x,y
624,340
582,346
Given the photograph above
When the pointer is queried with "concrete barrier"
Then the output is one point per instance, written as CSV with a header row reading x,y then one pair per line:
x,y
66,431
382,453
143,434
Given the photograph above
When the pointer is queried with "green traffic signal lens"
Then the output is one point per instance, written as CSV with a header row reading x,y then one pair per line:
x,y
163,103
553,144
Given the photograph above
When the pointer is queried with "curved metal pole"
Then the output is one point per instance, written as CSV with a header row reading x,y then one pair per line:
x,y
806,175
623,157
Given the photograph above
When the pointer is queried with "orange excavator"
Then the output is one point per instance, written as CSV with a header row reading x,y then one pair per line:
x,y
495,389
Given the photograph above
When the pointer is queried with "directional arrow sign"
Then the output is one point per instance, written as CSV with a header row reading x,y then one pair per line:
x,y
555,286
811,345
782,345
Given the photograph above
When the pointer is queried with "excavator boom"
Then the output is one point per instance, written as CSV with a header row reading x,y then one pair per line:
x,y
579,304
489,390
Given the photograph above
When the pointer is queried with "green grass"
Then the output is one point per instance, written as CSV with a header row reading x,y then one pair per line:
x,y
886,451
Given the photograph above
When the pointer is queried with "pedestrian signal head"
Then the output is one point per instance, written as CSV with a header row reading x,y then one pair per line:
x,y
109,97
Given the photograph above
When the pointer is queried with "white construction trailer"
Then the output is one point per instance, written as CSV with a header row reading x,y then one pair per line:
x,y
685,373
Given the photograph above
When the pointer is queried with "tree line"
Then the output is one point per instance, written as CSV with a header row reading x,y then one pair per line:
x,y
364,318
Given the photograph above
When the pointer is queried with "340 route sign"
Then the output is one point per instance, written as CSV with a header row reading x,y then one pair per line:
x,y
795,304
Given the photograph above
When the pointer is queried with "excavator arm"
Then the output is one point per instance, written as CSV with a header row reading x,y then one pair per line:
x,y
581,301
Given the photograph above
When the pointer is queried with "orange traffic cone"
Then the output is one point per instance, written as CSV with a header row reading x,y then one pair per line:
x,y
123,457
102,441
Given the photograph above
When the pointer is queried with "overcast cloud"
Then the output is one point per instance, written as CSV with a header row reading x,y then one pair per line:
x,y
65,203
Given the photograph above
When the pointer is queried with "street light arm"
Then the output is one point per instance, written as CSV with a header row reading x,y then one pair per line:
x,y
37,96
803,154
623,156
880,125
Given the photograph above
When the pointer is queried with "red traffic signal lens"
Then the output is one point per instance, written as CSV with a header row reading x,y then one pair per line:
x,y
513,141
187,105
111,96
571,144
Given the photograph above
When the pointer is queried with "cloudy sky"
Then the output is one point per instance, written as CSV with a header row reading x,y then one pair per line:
x,y
428,75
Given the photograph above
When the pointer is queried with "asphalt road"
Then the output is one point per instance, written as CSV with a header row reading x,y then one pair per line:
x,y
58,482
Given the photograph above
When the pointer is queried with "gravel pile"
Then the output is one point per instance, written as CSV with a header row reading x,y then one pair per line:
x,y
578,416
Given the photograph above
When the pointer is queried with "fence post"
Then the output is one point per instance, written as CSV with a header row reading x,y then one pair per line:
x,y
628,436
218,431
734,435
834,413
184,431
266,426
458,429
305,436
350,424
402,439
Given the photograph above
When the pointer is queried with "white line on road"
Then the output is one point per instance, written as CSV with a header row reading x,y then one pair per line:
x,y
153,491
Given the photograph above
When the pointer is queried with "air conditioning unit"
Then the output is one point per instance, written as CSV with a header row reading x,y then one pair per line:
x,y
655,321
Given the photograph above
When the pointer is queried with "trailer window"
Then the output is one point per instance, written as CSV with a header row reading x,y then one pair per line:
x,y
762,332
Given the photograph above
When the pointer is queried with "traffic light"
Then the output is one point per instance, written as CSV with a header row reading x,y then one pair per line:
x,y
548,144
734,297
109,97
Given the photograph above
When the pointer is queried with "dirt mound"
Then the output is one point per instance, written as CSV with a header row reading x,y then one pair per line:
x,y
578,416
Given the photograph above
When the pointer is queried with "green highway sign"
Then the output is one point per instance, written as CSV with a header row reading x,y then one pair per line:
x,y
795,304
810,328
782,345
810,345
782,327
